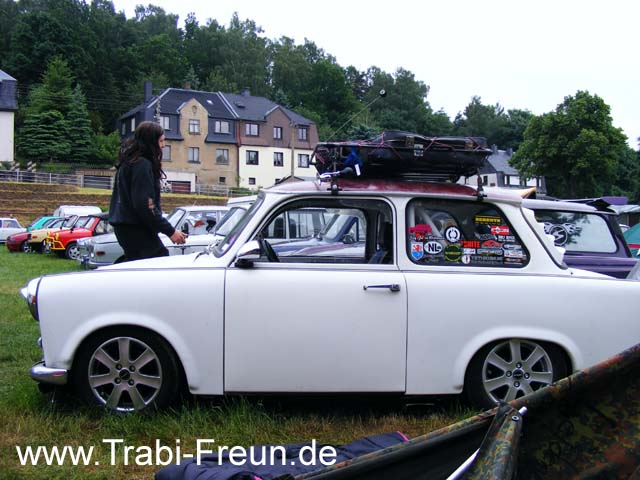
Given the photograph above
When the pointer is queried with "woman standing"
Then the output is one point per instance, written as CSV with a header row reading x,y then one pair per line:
x,y
135,211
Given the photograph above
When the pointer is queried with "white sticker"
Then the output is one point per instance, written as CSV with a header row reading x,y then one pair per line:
x,y
452,234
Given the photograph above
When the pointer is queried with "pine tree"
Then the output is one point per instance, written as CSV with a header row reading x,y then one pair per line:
x,y
80,134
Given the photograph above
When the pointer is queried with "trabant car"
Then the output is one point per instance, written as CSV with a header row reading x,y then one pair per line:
x,y
64,243
9,226
480,303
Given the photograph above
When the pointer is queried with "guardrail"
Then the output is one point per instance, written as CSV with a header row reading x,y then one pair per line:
x,y
104,182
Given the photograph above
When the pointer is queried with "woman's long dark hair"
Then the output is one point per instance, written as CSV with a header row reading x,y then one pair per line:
x,y
144,144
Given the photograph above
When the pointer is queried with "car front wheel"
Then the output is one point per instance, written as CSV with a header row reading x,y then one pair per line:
x,y
127,370
25,247
508,369
71,252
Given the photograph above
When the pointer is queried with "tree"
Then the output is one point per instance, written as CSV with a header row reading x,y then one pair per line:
x,y
80,134
45,132
104,148
627,181
575,147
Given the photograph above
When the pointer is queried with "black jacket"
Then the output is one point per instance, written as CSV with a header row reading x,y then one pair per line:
x,y
135,185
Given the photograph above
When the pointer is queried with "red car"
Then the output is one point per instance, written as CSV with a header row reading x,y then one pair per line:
x,y
64,242
19,242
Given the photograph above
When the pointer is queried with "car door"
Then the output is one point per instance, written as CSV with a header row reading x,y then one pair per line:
x,y
317,322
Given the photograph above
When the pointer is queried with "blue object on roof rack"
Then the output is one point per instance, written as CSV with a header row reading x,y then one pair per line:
x,y
398,154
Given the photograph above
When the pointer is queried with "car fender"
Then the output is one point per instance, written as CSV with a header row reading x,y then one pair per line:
x,y
471,347
116,319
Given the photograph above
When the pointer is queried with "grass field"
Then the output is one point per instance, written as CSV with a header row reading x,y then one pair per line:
x,y
29,418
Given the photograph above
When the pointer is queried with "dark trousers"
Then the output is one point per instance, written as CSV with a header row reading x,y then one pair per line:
x,y
139,242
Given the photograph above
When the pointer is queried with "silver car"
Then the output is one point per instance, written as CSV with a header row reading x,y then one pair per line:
x,y
196,221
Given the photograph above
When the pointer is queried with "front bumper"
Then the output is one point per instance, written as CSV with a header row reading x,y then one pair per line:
x,y
52,376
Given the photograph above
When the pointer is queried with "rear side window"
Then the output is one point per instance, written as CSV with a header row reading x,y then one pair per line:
x,y
578,231
459,233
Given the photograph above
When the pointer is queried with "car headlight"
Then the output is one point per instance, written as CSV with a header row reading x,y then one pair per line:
x,y
30,294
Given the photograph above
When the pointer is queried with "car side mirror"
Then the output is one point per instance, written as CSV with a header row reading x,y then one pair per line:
x,y
348,239
247,254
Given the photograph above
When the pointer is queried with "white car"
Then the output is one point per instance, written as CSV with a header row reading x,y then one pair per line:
x,y
453,291
196,221
9,226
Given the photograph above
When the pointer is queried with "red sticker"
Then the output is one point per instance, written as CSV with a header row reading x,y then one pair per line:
x,y
500,230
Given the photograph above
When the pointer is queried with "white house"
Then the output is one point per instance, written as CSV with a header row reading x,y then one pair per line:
x,y
8,107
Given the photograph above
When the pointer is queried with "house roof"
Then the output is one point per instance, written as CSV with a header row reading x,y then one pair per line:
x,y
5,76
248,107
172,99
498,161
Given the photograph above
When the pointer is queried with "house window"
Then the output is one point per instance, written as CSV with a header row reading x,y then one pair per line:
x,y
277,133
485,180
164,122
278,159
123,128
303,160
166,153
507,180
251,129
222,179
133,124
252,157
194,155
220,126
194,126
222,156
252,181
303,133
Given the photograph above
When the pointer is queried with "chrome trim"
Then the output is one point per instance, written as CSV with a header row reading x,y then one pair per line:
x,y
52,376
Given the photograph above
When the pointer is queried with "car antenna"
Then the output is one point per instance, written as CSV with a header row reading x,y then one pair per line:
x,y
381,94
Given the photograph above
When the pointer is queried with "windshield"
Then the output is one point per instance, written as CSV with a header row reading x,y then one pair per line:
x,y
70,221
229,221
238,227
175,217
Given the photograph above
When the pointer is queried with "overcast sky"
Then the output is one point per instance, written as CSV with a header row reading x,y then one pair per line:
x,y
526,55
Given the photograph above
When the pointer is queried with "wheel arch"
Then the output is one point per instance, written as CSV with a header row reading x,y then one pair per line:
x,y
180,352
569,349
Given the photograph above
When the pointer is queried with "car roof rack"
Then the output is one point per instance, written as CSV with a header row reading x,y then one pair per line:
x,y
402,155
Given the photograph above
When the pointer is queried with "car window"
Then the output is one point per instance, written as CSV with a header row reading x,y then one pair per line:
x,y
460,233
578,231
227,222
10,224
199,222
331,231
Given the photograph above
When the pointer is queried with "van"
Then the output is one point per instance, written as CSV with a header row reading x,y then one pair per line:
x,y
68,210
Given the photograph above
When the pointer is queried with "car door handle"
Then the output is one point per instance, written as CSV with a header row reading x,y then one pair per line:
x,y
394,287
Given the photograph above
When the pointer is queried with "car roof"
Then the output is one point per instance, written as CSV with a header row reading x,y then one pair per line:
x,y
399,186
198,208
536,204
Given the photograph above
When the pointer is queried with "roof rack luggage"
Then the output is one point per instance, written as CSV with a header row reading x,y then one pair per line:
x,y
399,154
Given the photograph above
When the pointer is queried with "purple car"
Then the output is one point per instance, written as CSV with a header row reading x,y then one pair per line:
x,y
589,233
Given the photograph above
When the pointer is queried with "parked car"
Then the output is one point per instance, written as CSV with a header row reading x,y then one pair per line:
x,y
79,210
590,235
64,243
196,221
495,313
40,222
37,238
8,226
19,242
632,237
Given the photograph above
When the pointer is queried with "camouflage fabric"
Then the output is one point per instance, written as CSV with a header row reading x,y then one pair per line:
x,y
586,426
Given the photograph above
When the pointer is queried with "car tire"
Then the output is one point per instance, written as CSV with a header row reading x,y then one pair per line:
x,y
45,247
25,247
510,368
148,379
72,252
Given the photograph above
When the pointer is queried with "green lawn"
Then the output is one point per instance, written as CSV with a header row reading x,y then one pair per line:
x,y
30,418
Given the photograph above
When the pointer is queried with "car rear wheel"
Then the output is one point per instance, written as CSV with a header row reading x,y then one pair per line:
x,y
508,369
127,370
72,252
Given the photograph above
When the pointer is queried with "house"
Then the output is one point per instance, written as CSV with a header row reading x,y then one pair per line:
x,y
8,107
273,141
225,139
497,172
